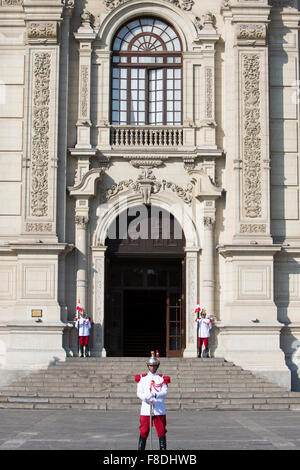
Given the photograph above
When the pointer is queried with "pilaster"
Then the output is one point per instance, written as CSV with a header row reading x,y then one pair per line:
x,y
205,84
43,20
85,36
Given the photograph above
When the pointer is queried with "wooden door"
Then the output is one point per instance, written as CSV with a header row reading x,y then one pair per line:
x,y
175,325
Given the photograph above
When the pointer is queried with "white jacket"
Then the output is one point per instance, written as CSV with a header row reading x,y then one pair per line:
x,y
152,387
204,326
84,325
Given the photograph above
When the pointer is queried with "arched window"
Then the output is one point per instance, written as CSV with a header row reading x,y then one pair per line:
x,y
146,74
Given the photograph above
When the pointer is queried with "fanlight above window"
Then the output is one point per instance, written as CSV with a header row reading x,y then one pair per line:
x,y
146,74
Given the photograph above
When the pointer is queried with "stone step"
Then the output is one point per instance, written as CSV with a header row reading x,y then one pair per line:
x,y
108,384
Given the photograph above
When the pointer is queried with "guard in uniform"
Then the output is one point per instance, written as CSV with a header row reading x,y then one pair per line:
x,y
84,324
204,326
151,390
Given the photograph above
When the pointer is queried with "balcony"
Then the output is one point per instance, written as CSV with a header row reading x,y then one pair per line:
x,y
146,136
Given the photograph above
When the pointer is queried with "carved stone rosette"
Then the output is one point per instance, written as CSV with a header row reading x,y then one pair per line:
x,y
39,204
251,136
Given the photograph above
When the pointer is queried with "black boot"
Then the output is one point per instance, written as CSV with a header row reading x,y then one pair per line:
x,y
162,443
199,352
205,352
81,351
142,443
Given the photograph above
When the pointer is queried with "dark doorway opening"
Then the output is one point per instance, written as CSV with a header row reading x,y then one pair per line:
x,y
145,282
144,322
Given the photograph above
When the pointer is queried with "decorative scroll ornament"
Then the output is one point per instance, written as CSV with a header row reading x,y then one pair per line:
x,y
186,5
40,134
146,184
252,152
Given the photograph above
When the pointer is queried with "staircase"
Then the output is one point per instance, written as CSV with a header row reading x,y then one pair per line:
x,y
108,384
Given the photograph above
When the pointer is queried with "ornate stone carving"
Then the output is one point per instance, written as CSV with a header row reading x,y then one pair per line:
x,y
68,3
12,2
40,134
82,221
84,92
38,227
146,184
251,143
253,228
42,30
251,31
186,5
86,18
208,222
209,92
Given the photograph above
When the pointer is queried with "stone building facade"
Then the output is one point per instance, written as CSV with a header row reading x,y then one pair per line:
x,y
186,106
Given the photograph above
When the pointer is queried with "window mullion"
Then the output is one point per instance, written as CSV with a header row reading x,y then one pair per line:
x,y
164,91
147,96
128,95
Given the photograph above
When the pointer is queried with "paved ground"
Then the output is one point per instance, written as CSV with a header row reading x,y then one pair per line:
x,y
197,430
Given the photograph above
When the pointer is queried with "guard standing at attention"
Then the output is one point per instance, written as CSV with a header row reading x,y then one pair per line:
x,y
204,326
152,389
84,324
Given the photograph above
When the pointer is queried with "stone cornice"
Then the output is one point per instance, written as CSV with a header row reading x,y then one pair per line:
x,y
40,247
243,249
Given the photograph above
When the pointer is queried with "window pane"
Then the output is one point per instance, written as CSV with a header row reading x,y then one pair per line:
x,y
123,94
123,105
115,105
115,117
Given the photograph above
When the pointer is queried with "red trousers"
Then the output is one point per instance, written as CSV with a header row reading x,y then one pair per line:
x,y
83,340
201,341
159,421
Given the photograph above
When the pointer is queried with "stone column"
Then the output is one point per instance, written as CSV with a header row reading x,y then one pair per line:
x,y
98,282
81,222
208,266
191,301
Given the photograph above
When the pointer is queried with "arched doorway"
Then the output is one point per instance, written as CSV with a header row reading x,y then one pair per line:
x,y
144,304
